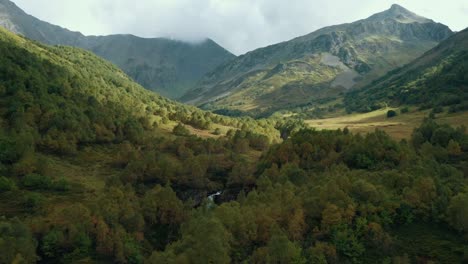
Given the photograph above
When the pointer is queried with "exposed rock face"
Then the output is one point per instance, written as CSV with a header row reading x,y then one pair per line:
x,y
370,47
400,14
166,66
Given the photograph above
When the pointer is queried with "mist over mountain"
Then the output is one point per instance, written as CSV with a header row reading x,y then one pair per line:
x,y
166,66
320,65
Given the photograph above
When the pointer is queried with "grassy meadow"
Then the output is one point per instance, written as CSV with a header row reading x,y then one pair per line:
x,y
399,127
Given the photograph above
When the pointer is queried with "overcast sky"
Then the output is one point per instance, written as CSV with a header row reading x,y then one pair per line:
x,y
237,25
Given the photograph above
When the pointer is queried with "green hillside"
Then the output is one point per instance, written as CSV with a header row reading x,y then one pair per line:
x,y
319,67
437,79
74,128
62,100
166,66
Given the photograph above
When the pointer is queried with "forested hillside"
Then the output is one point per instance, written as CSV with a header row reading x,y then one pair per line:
x,y
73,125
334,197
95,169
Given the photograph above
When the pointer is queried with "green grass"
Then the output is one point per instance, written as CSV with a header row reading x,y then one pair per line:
x,y
399,127
303,81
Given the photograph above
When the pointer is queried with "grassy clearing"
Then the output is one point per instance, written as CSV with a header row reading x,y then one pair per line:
x,y
399,127
90,169
166,130
86,173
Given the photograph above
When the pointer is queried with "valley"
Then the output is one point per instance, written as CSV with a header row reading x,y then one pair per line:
x,y
345,145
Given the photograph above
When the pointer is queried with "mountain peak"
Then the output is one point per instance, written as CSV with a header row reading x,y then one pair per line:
x,y
400,14
398,7
397,10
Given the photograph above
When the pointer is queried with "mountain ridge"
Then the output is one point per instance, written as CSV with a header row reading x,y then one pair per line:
x,y
439,78
156,63
369,47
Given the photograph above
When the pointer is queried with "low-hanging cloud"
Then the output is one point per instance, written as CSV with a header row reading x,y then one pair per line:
x,y
238,25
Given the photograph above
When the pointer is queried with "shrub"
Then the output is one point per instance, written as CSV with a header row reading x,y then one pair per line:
x,y
438,109
61,185
33,201
404,110
391,113
8,150
217,131
180,130
6,184
35,181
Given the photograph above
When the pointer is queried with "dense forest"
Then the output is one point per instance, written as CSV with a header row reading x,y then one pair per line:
x,y
93,168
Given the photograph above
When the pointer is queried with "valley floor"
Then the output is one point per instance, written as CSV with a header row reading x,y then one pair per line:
x,y
399,127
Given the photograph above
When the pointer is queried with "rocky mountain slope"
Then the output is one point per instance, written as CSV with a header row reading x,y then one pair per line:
x,y
319,66
436,79
167,66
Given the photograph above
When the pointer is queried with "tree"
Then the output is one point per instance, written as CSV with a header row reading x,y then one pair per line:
x,y
242,226
391,113
241,175
52,243
457,212
217,131
322,253
204,240
67,239
331,215
347,243
282,251
453,148
180,130
6,184
8,150
133,130
161,206
442,136
104,242
17,244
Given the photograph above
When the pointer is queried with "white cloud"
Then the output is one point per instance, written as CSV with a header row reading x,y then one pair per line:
x,y
238,25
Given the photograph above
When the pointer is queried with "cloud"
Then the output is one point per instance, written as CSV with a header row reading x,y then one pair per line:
x,y
238,25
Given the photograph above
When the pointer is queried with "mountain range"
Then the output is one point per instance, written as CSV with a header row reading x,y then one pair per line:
x,y
312,70
94,168
320,66
166,66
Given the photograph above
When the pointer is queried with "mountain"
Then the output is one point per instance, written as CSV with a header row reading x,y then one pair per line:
x,y
438,78
166,66
319,66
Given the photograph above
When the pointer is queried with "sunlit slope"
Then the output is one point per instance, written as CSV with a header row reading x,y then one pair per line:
x,y
70,95
320,66
438,78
